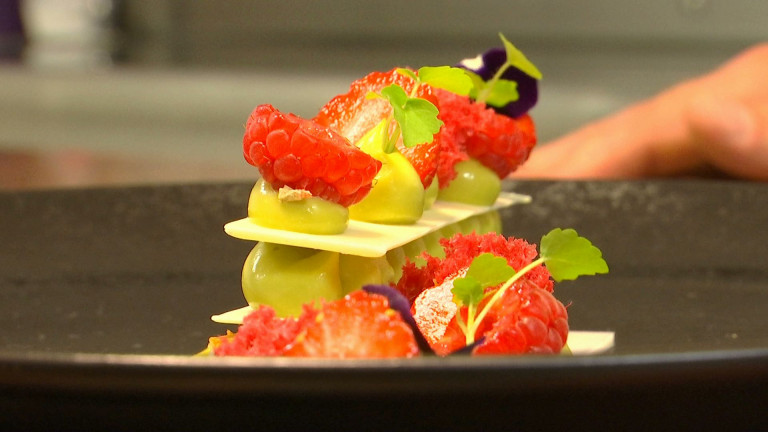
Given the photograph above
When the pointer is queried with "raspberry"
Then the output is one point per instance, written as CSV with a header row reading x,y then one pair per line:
x,y
474,130
353,114
290,151
527,319
360,325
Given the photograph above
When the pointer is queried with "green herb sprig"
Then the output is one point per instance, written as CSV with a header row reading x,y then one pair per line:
x,y
416,118
565,254
497,91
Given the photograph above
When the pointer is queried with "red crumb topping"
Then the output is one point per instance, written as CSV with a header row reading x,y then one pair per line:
x,y
263,333
460,250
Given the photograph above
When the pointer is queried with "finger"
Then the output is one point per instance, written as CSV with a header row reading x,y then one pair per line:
x,y
732,136
643,140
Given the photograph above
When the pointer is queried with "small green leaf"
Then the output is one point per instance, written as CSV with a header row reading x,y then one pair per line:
x,y
490,270
478,84
502,93
568,256
417,117
395,94
516,58
467,291
449,78
419,122
409,73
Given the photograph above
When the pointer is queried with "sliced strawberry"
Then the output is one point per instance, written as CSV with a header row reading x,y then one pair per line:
x,y
423,158
353,114
360,325
291,151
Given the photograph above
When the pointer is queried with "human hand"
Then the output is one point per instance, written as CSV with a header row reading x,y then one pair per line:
x,y
717,123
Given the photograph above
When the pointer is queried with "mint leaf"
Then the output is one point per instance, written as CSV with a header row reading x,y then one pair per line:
x,y
490,270
417,117
516,58
568,256
449,78
467,290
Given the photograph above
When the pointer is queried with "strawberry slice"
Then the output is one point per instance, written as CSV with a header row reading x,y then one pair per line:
x,y
360,325
291,151
353,114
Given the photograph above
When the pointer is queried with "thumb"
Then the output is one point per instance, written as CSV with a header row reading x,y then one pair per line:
x,y
731,136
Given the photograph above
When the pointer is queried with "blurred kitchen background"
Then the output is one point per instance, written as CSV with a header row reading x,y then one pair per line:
x,y
105,92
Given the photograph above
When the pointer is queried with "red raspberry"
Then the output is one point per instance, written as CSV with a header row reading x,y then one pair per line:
x,y
360,325
528,318
353,114
474,130
291,151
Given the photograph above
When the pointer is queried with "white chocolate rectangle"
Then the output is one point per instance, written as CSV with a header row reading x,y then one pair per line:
x,y
369,239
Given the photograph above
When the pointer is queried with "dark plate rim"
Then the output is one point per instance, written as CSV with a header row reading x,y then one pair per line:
x,y
190,375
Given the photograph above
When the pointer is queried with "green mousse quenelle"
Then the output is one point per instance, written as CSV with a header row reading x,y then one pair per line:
x,y
397,196
286,277
293,212
474,184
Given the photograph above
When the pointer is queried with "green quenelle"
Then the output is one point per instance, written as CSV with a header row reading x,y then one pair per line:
x,y
397,195
474,184
311,215
286,277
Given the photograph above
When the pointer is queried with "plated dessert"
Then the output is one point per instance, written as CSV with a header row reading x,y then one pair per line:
x,y
377,227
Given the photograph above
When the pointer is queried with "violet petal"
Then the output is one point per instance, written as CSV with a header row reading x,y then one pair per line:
x,y
398,302
527,86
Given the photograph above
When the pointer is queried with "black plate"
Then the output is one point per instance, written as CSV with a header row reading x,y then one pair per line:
x,y
105,294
